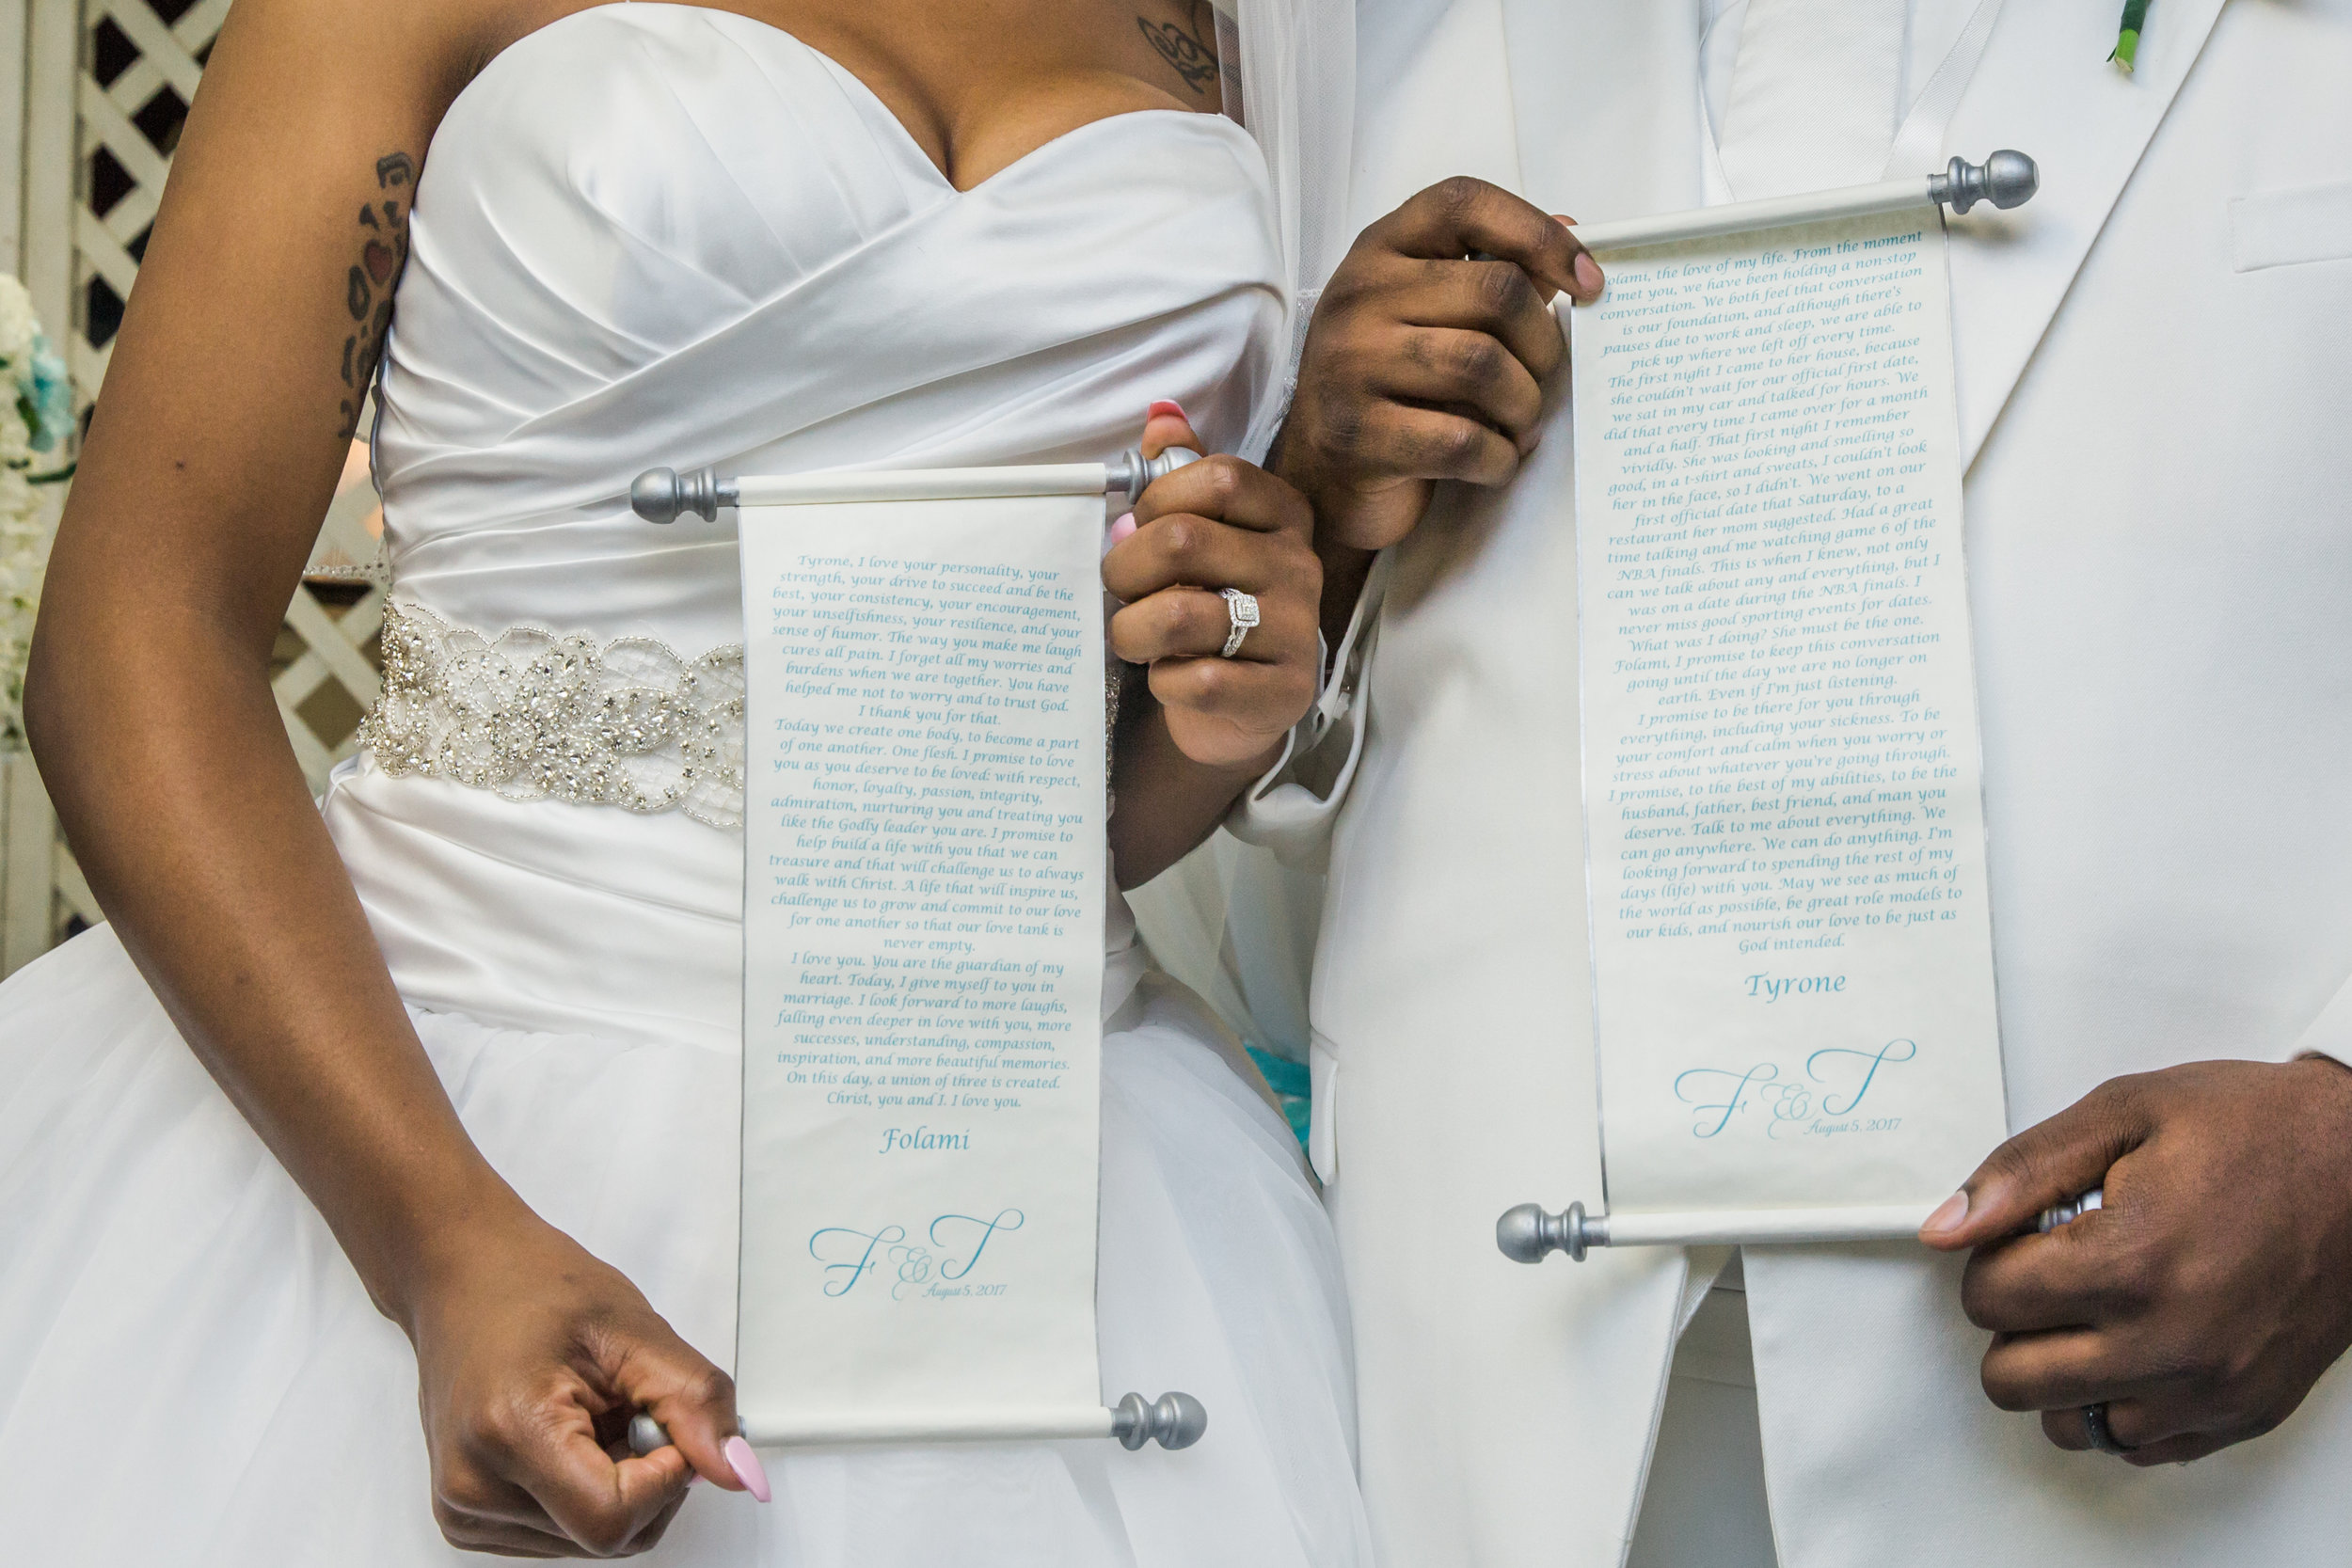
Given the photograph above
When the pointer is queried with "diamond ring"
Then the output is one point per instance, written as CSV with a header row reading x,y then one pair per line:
x,y
1240,609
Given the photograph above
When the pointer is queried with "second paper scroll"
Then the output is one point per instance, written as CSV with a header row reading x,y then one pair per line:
x,y
1792,953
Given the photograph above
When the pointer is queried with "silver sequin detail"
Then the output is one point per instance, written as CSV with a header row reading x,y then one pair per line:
x,y
535,715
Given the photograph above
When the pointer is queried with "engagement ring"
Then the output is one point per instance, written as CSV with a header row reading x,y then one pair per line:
x,y
1242,611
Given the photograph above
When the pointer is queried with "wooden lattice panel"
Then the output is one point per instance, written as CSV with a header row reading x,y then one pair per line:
x,y
97,148
141,60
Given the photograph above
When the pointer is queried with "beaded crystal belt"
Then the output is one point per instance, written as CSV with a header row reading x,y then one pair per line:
x,y
535,715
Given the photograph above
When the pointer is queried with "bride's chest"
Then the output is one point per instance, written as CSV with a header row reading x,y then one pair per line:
x,y
972,86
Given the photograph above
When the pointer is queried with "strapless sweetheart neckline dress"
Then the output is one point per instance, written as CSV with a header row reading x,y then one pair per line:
x,y
660,234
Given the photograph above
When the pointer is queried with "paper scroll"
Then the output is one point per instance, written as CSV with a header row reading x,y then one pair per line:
x,y
1792,950
923,927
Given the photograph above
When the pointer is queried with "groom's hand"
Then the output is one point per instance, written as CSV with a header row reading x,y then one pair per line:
x,y
1421,364
2201,1303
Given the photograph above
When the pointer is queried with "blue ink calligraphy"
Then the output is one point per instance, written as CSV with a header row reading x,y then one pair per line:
x,y
863,1243
915,1267
849,1255
1866,1061
1006,1219
1735,1098
1791,1104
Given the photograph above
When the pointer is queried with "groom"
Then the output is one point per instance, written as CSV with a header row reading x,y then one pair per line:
x,y
2154,364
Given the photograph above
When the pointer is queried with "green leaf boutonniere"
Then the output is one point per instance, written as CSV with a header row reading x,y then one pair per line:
x,y
2127,37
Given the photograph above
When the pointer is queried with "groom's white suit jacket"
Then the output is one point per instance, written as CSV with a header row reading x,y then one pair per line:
x,y
2155,392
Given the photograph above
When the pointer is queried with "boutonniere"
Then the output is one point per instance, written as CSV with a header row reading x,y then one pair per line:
x,y
2127,37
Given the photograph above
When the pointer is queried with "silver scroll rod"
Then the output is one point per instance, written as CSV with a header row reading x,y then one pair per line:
x,y
2007,179
1172,1420
1529,1235
664,495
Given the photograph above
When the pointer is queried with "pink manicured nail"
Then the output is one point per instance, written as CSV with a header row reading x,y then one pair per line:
x,y
1588,273
1948,1214
1164,407
1125,526
745,1465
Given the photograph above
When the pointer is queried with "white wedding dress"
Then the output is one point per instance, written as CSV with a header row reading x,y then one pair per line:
x,y
657,234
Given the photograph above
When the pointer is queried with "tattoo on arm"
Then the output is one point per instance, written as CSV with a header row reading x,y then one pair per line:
x,y
1188,46
382,251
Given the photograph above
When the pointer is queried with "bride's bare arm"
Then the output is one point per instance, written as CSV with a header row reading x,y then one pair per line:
x,y
228,410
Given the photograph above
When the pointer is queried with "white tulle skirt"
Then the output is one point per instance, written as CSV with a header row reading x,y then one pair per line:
x,y
191,1373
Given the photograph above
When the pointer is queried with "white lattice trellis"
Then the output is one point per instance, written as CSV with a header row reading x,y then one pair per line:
x,y
109,83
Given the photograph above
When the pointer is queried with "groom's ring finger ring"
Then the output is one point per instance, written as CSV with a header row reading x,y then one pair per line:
x,y
2095,1429
1241,611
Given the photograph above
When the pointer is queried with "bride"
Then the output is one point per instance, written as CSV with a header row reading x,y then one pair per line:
x,y
421,1100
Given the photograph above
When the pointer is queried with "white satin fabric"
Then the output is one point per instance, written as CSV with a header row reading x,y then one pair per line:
x,y
658,234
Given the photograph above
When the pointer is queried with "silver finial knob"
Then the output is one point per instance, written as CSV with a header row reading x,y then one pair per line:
x,y
2011,179
1133,472
2008,179
646,1435
1176,1421
2070,1211
661,495
1528,1235
653,496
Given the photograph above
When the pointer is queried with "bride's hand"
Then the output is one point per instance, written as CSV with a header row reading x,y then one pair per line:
x,y
1219,522
531,1356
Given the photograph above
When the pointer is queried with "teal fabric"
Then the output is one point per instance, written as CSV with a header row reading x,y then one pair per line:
x,y
1291,1086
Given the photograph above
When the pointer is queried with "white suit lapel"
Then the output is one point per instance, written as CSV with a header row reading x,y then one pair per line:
x,y
2046,89
1604,97
1605,93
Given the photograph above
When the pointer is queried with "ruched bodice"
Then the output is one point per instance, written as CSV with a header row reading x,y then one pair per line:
x,y
656,234
662,235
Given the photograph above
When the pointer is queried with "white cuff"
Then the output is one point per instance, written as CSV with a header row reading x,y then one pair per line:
x,y
1290,809
1322,1115
2330,1033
